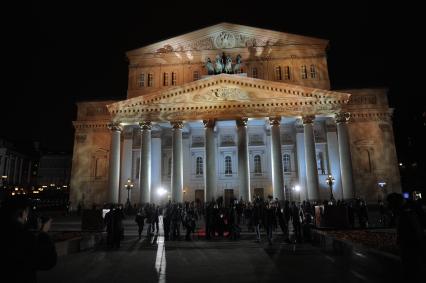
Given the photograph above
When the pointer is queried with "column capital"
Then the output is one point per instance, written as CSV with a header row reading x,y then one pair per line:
x,y
242,122
308,119
274,121
342,117
209,123
145,125
115,126
177,124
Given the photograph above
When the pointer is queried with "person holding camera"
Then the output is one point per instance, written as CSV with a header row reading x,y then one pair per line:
x,y
22,251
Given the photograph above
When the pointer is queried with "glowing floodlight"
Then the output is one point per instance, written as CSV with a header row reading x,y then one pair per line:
x,y
161,192
297,188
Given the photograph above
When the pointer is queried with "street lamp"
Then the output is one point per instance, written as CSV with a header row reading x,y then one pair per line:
x,y
330,181
296,188
128,186
382,186
3,181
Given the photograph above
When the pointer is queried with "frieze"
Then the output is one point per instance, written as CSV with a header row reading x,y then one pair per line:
x,y
222,40
362,99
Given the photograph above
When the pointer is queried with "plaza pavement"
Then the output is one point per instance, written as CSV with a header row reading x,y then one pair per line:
x,y
219,260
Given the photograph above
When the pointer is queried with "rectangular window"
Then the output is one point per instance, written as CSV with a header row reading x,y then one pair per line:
x,y
141,80
150,79
278,74
304,72
196,75
313,72
254,72
165,79
174,81
287,73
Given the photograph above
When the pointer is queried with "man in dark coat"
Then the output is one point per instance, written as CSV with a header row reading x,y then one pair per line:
x,y
22,251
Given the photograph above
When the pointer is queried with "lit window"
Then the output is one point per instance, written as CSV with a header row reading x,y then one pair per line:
x,y
141,80
150,79
278,74
286,162
287,73
313,72
304,72
174,78
257,164
199,166
320,163
196,75
228,165
254,72
165,79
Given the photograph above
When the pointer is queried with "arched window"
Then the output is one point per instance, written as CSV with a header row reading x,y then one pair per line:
x,y
286,162
199,166
169,166
257,164
228,165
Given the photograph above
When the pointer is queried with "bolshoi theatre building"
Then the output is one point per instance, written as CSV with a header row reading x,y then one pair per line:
x,y
238,112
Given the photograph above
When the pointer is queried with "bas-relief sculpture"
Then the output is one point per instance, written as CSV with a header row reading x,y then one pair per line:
x,y
226,96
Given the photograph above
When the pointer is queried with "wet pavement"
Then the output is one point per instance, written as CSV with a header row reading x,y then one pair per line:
x,y
219,260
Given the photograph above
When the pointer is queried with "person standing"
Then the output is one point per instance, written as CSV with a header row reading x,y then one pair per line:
x,y
22,251
139,219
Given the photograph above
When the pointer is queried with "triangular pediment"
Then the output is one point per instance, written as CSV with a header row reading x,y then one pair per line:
x,y
226,96
225,36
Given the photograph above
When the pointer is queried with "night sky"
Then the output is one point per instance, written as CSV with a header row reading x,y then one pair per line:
x,y
76,52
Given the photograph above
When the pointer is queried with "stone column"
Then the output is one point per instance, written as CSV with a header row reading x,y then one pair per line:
x,y
276,159
114,163
310,158
243,162
177,162
21,163
145,174
155,164
126,163
301,164
210,162
345,155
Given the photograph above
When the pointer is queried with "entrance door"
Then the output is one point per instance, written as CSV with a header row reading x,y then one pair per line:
x,y
259,192
199,196
229,195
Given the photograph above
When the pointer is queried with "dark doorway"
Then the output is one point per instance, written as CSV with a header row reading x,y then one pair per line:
x,y
259,192
229,195
199,196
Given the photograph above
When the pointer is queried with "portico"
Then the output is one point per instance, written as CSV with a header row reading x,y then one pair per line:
x,y
226,98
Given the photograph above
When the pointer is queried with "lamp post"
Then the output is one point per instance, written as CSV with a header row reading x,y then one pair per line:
x,y
3,181
128,186
382,186
330,181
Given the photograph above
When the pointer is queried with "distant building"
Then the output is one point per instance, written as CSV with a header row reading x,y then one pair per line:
x,y
54,169
17,162
234,111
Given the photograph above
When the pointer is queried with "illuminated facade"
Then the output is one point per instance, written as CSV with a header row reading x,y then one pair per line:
x,y
262,127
